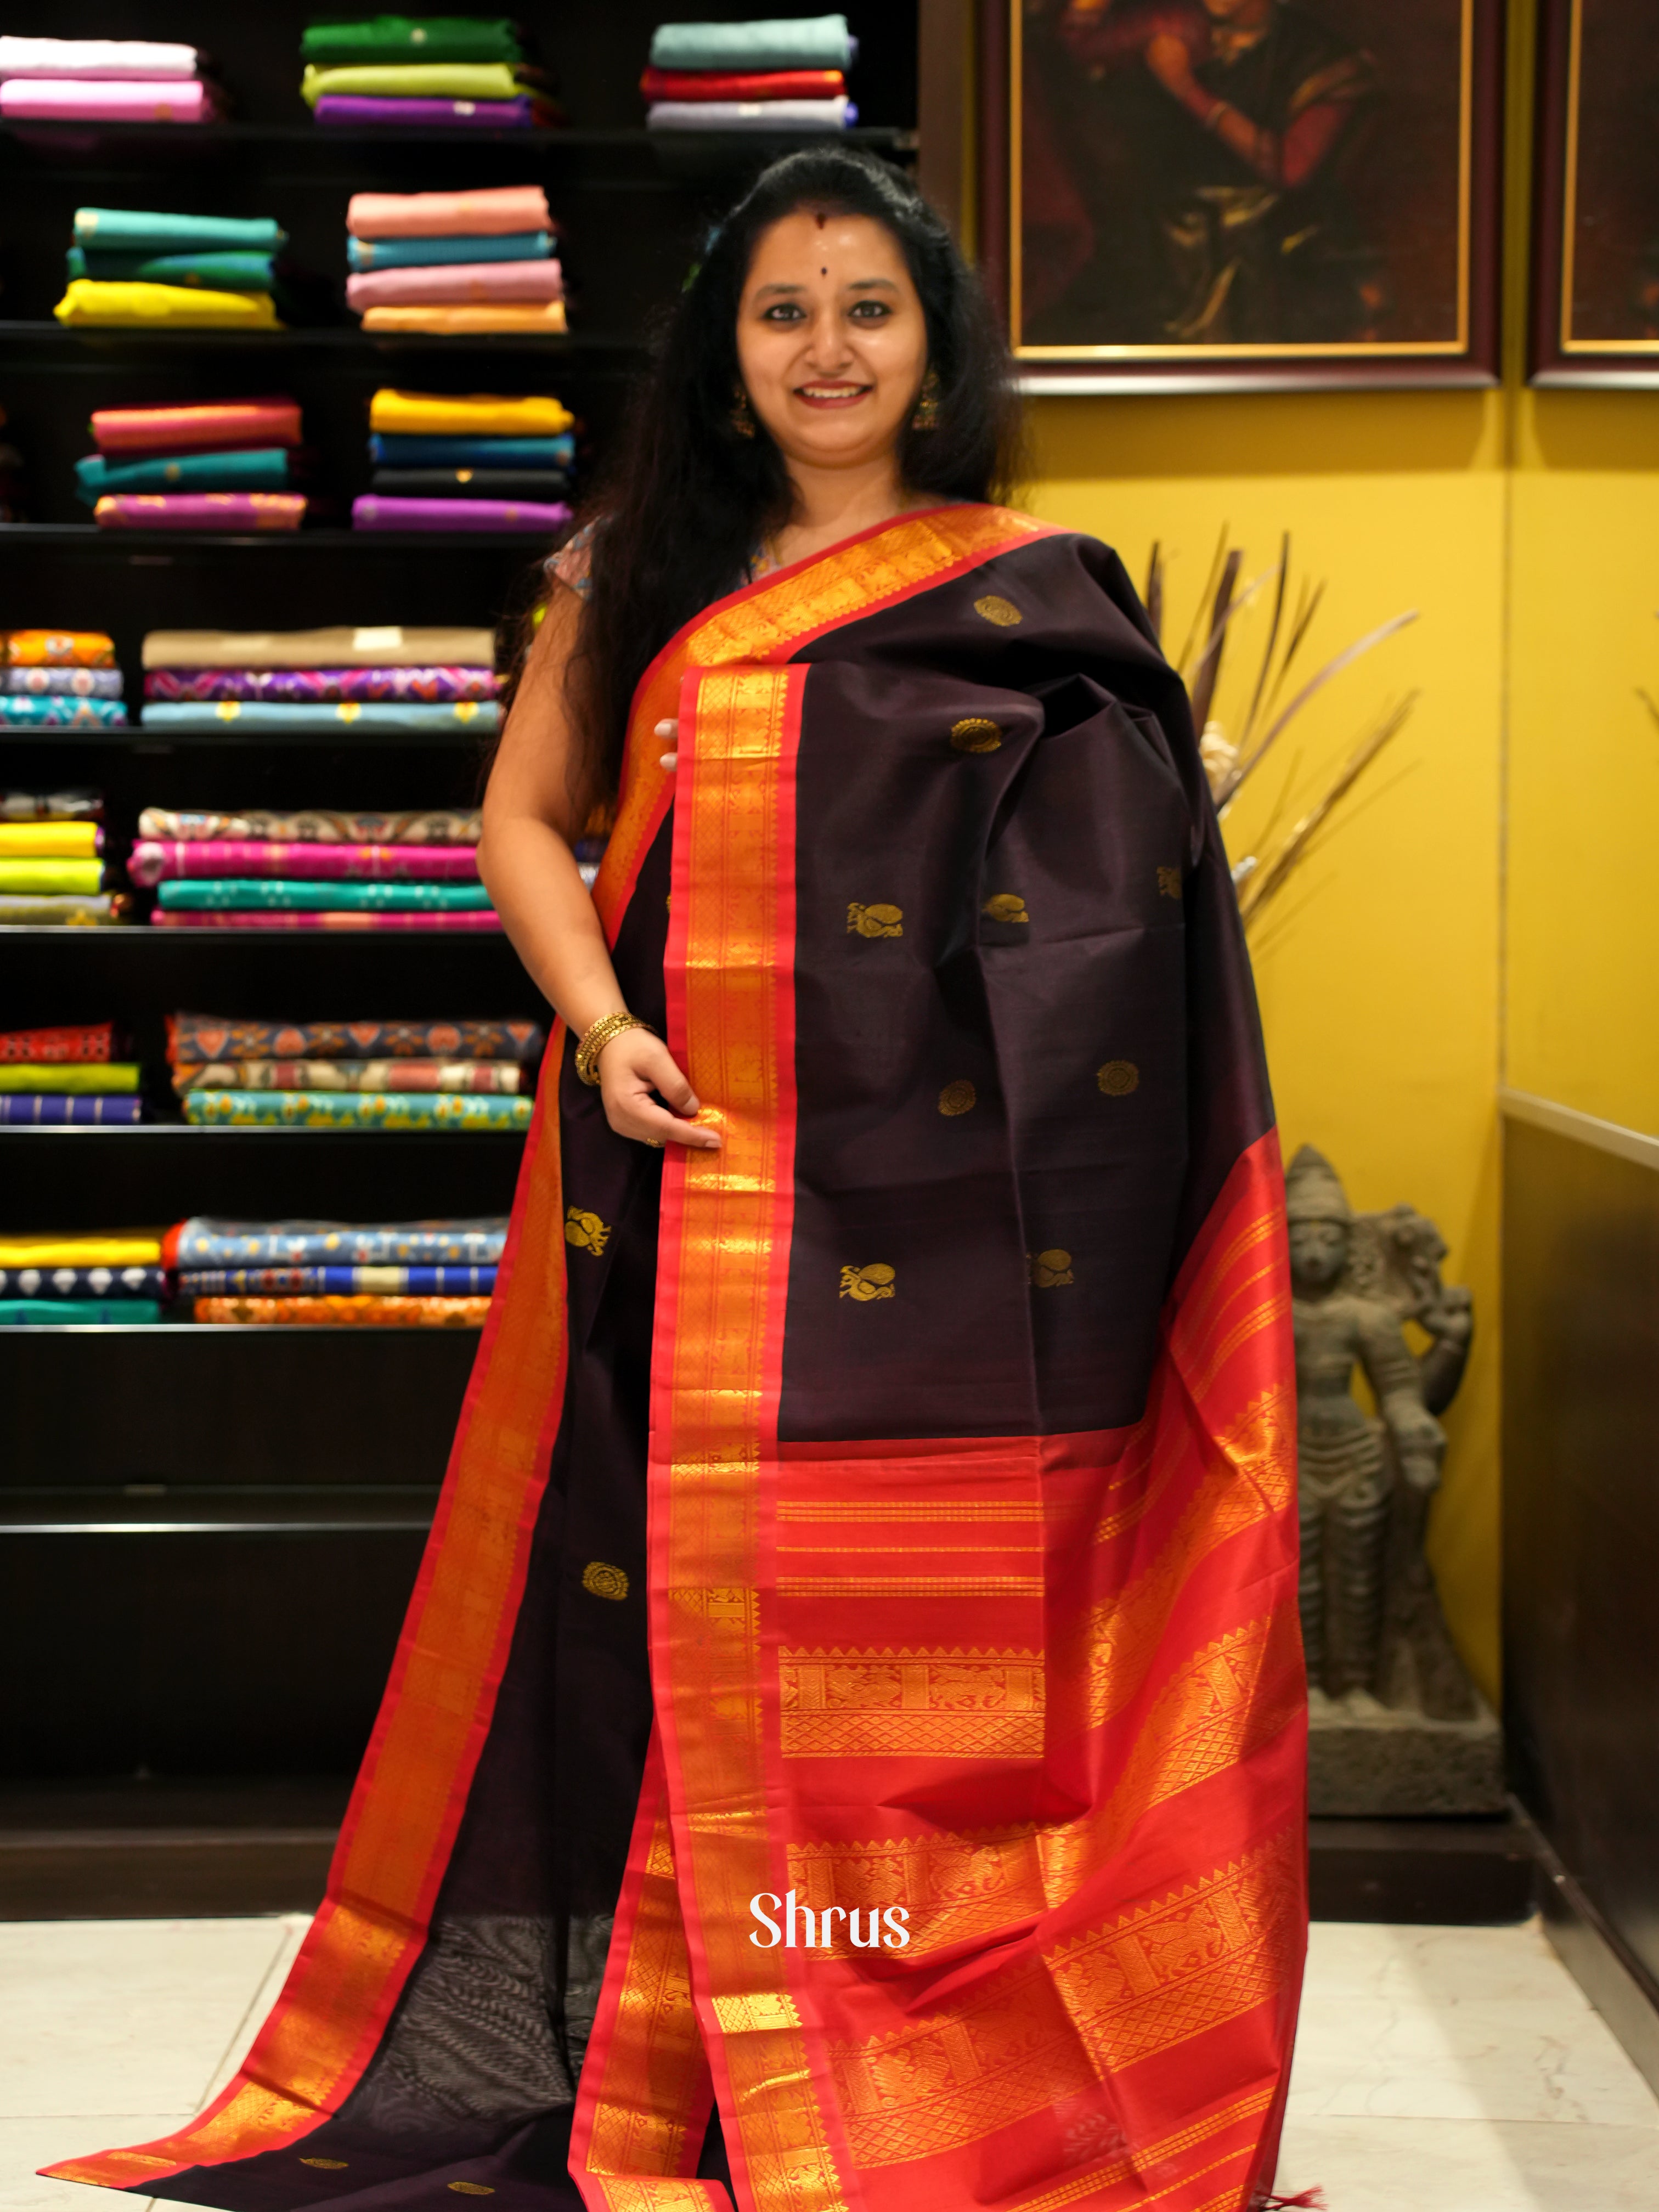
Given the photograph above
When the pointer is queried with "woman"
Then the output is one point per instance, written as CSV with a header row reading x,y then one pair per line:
x,y
866,1566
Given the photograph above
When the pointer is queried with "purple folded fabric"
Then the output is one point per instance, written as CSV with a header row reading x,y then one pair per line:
x,y
483,917
154,858
308,687
373,512
200,510
86,100
453,284
355,109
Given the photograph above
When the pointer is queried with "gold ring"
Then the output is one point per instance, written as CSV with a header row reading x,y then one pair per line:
x,y
656,1143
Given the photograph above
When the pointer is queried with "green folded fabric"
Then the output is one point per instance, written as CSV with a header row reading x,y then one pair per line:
x,y
82,876
57,1077
414,81
261,468
67,1313
356,1109
409,39
134,230
799,42
236,894
215,272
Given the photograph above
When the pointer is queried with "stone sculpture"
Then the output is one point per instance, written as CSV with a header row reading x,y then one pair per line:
x,y
1397,1726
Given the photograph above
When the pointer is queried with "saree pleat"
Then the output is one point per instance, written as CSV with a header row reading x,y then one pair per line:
x,y
889,1514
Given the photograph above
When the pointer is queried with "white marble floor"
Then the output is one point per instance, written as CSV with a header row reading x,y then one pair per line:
x,y
1439,2070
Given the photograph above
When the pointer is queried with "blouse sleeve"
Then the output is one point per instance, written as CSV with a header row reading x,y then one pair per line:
x,y
571,563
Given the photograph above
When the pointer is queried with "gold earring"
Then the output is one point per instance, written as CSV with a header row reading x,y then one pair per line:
x,y
926,415
742,420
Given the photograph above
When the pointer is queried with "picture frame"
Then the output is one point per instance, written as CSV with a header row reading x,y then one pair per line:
x,y
1131,246
1595,298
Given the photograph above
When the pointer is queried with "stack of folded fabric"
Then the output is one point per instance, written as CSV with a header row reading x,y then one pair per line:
x,y
132,266
53,679
789,75
404,1273
65,1075
103,80
420,71
300,683
218,464
457,438
58,1281
71,820
454,261
354,1075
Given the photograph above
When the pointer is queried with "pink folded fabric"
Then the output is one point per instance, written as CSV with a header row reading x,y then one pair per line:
x,y
90,100
373,511
199,510
456,282
485,919
154,858
197,428
492,214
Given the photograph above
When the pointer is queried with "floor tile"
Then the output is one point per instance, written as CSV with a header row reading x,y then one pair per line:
x,y
26,2144
1470,2166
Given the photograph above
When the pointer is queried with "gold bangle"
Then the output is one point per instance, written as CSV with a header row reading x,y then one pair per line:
x,y
595,1039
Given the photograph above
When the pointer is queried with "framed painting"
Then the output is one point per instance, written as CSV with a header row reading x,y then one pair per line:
x,y
1595,233
1243,194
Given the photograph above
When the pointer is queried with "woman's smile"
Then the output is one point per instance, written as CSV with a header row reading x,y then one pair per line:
x,y
833,395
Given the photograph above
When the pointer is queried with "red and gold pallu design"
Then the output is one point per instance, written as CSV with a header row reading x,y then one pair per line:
x,y
969,1569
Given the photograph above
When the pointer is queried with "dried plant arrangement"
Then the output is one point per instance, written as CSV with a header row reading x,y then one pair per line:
x,y
1231,761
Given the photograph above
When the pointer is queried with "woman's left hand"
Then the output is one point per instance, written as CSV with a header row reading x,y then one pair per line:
x,y
669,731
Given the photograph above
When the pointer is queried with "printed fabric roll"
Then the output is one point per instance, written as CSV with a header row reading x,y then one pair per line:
x,y
365,1312
201,1038
367,254
63,683
411,81
456,283
84,1282
482,924
321,826
82,58
152,304
490,1077
50,841
437,319
437,1282
60,713
404,38
235,512
546,486
134,1248
353,1110
91,1043
58,648
386,646
812,42
480,715
264,469
51,806
751,115
153,860
372,512
238,894
77,1078
25,874
217,272
73,99
326,687
357,111
480,414
136,230
62,1107
194,430
207,1241
758,84
78,1313
464,453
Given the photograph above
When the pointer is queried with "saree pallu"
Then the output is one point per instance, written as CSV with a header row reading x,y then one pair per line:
x,y
959,1384
348,1312
59,1108
338,1282
205,1242
353,1110
156,858
494,1077
194,1039
306,687
83,1283
91,1041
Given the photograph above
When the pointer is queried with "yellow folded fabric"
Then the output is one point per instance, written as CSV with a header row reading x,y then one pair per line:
x,y
48,840
412,81
480,414
58,1077
88,301
545,315
136,1249
32,875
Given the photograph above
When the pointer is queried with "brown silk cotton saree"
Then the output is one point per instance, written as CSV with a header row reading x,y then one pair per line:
x,y
880,1531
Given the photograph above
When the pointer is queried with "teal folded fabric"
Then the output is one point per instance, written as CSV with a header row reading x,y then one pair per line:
x,y
245,894
208,272
67,1313
359,1109
365,253
790,43
481,715
136,230
260,469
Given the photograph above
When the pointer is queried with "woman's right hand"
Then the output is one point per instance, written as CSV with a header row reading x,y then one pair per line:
x,y
632,1067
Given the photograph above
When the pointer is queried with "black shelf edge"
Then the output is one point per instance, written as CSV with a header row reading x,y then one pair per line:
x,y
37,935
87,537
281,1330
225,136
568,345
12,1131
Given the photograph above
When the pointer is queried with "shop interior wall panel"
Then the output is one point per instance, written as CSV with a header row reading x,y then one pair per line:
x,y
1581,1517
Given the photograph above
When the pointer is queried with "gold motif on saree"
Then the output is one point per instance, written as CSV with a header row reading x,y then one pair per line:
x,y
586,1230
760,2011
1050,1270
1169,882
975,733
904,1508
599,1580
959,1097
874,921
1118,1078
993,608
910,1585
894,1704
1005,906
469,2188
877,1281
328,2165
953,1886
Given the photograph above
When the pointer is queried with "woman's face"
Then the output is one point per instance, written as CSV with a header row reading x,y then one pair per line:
x,y
832,343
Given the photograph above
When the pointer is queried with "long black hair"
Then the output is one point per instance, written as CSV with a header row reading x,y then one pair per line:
x,y
688,496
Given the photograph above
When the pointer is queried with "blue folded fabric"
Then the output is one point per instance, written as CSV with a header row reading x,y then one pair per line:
x,y
134,230
401,449
264,468
286,895
478,714
206,272
64,713
789,43
425,252
205,1241
63,683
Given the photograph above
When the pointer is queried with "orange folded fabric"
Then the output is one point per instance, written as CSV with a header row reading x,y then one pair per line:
x,y
58,648
388,1312
548,318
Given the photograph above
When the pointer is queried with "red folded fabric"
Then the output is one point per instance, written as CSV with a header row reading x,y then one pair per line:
x,y
95,1041
718,84
196,429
